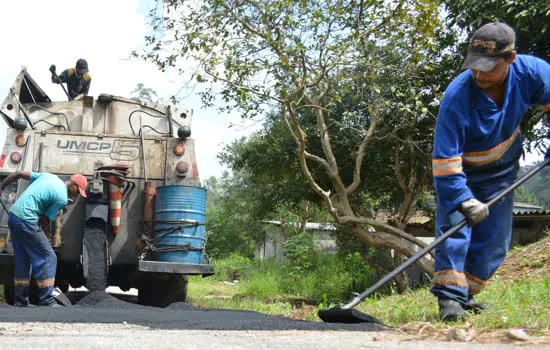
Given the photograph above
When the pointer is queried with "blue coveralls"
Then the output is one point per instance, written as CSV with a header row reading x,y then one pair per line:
x,y
33,254
476,154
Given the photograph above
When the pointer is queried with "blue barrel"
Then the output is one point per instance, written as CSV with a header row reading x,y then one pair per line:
x,y
174,203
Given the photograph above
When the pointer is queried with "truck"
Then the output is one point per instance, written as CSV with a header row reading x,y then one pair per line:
x,y
142,224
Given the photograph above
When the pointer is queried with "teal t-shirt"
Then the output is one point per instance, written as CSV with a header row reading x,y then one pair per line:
x,y
46,195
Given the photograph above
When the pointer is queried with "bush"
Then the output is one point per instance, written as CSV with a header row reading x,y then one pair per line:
x,y
300,253
235,267
333,278
266,279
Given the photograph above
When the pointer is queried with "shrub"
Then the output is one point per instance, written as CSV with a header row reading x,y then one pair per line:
x,y
235,267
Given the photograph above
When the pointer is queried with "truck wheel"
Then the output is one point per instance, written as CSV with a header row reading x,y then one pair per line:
x,y
94,258
161,292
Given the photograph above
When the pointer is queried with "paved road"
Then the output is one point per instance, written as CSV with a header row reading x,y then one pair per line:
x,y
57,336
101,321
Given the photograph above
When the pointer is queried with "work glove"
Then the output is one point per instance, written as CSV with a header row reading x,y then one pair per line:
x,y
474,211
52,68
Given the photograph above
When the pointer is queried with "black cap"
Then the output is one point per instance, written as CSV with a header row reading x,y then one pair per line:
x,y
489,43
81,66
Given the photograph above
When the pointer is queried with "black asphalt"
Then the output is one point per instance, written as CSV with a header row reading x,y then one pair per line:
x,y
99,307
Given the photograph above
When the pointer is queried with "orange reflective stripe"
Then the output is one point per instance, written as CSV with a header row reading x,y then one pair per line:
x,y
441,161
475,284
21,281
446,166
447,172
46,283
450,277
489,156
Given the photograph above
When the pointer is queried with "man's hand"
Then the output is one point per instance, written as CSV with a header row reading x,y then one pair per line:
x,y
79,97
474,211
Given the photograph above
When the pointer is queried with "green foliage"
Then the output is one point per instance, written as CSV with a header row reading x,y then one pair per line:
x,y
300,253
536,189
144,94
530,20
522,194
329,277
233,214
234,267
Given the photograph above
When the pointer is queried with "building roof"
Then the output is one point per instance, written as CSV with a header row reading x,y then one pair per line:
x,y
310,226
526,205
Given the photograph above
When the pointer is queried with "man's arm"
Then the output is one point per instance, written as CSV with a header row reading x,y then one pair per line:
x,y
14,177
62,77
56,240
449,177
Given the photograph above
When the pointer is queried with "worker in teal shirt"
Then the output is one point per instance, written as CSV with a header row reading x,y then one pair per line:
x,y
476,155
33,254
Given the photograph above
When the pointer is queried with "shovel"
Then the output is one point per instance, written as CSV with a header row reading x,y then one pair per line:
x,y
346,313
52,70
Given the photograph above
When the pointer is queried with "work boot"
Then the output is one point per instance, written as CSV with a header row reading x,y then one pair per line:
x,y
450,310
475,307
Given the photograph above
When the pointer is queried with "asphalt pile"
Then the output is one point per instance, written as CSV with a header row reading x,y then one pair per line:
x,y
100,299
100,307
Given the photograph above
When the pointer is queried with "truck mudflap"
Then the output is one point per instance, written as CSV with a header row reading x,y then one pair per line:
x,y
175,267
6,259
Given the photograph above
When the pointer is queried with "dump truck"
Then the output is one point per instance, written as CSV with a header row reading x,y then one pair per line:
x,y
142,224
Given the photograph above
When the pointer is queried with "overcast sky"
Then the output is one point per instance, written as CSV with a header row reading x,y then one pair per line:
x,y
38,33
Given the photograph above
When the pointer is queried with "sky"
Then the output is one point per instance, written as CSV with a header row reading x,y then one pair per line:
x,y
38,33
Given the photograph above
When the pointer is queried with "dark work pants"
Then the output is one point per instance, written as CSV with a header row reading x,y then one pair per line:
x,y
34,254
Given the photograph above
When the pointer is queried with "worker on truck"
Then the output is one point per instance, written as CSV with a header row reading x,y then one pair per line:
x,y
78,79
46,195
476,155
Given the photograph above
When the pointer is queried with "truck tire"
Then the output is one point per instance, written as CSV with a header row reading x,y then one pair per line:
x,y
94,259
161,291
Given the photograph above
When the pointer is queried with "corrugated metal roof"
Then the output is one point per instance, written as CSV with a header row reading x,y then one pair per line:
x,y
526,205
531,212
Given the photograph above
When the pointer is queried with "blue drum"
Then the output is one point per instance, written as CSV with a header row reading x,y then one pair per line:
x,y
180,213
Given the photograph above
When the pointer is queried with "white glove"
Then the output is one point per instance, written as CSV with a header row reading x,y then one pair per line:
x,y
474,211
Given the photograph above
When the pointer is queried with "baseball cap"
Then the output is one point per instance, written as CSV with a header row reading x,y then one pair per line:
x,y
81,66
489,43
81,182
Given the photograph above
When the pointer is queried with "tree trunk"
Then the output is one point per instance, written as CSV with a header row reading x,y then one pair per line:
x,y
390,241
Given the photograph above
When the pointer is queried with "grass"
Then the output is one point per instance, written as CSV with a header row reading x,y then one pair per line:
x,y
519,294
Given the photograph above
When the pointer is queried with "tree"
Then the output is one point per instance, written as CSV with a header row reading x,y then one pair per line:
x,y
232,211
144,94
299,57
530,20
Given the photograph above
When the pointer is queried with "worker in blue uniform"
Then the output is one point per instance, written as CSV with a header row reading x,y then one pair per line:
x,y
33,254
476,155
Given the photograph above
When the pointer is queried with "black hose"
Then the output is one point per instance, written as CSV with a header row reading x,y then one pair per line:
x,y
140,111
155,130
54,125
54,113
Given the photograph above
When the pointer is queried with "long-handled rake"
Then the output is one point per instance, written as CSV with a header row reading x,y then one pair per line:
x,y
347,313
